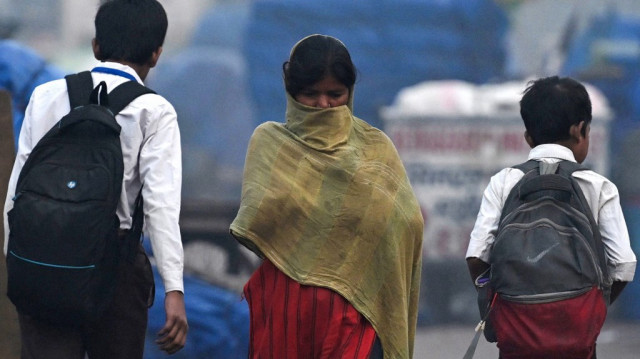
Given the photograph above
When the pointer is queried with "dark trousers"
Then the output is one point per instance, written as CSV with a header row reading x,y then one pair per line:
x,y
120,334
376,351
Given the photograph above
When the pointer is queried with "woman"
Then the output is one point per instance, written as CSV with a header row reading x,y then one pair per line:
x,y
327,204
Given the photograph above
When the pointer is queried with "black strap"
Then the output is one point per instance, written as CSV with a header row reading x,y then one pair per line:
x,y
527,166
567,168
138,218
479,329
81,91
599,245
124,93
135,232
79,87
99,95
119,98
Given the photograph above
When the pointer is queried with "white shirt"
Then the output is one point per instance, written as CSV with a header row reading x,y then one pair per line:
x,y
150,141
600,193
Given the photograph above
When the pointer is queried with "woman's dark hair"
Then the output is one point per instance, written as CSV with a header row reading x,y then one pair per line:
x,y
315,57
130,30
551,105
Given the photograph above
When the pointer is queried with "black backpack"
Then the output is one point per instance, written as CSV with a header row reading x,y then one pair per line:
x,y
548,282
63,229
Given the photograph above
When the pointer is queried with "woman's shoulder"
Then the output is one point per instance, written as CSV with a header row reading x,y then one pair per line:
x,y
268,127
372,134
269,131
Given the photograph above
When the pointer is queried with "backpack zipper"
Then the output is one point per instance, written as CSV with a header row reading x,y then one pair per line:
x,y
543,202
546,297
91,266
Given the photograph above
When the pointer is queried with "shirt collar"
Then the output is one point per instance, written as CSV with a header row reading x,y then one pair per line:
x,y
121,67
551,150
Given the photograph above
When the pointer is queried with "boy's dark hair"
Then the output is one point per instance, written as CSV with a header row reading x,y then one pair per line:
x,y
130,30
314,58
551,105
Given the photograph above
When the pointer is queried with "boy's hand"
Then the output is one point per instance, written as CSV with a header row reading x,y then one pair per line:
x,y
616,289
173,335
476,267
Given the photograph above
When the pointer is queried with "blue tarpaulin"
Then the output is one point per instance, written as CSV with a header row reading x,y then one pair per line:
x,y
21,70
218,322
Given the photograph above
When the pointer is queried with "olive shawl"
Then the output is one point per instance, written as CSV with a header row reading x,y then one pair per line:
x,y
326,199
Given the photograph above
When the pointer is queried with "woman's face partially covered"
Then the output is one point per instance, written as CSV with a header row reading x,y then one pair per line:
x,y
325,93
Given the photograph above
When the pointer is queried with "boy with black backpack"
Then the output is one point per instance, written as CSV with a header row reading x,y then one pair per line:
x,y
98,154
550,249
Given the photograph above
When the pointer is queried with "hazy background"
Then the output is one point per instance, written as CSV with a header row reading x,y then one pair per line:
x,y
441,77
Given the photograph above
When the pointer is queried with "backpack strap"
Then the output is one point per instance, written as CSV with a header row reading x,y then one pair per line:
x,y
513,199
81,90
79,87
119,98
132,239
570,167
124,93
528,166
564,167
479,329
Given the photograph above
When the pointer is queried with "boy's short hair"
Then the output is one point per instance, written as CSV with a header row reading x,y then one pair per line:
x,y
130,30
551,105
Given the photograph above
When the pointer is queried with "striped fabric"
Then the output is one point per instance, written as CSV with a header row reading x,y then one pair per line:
x,y
326,199
293,321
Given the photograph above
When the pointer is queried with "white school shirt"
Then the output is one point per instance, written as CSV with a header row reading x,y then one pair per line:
x,y
150,141
600,193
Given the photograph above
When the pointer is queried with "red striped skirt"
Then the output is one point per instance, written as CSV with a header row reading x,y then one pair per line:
x,y
293,321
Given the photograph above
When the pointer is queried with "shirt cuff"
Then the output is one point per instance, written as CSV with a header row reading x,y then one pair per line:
x,y
622,272
481,252
173,281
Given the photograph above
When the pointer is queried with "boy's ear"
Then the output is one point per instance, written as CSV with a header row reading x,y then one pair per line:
x,y
96,49
529,139
576,131
153,60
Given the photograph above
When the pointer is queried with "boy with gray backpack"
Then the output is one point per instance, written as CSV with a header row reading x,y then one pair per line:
x,y
550,249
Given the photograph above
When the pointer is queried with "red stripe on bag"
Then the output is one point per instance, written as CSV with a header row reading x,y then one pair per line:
x,y
564,329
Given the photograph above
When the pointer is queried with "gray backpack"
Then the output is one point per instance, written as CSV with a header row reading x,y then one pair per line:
x,y
548,285
548,245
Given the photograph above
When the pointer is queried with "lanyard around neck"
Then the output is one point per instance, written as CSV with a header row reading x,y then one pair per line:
x,y
110,71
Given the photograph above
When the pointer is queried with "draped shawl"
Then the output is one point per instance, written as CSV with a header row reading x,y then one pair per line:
x,y
326,199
